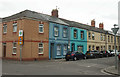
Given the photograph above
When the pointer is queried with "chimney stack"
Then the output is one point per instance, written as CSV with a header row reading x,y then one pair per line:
x,y
93,22
101,25
54,13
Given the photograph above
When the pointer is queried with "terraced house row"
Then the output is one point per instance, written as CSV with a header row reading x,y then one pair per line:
x,y
50,37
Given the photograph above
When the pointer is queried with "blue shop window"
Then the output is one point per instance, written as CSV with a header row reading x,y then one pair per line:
x,y
64,32
65,49
58,50
82,35
56,31
75,34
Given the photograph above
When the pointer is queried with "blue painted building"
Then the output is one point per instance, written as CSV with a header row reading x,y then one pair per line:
x,y
78,39
58,40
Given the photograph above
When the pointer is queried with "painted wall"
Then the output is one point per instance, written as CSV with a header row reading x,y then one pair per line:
x,y
57,40
78,41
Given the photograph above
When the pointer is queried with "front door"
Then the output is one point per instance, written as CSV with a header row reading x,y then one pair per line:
x,y
51,50
73,47
4,50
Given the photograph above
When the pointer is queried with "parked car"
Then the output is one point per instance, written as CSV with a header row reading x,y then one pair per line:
x,y
106,53
90,54
75,55
113,52
119,56
97,54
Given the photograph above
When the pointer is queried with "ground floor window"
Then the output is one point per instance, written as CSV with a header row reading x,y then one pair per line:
x,y
93,47
65,50
58,49
80,48
14,47
109,47
40,48
89,47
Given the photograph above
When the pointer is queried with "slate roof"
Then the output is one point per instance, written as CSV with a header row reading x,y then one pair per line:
x,y
83,26
35,15
44,17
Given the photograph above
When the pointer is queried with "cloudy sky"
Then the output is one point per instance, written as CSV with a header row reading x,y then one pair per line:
x,y
82,11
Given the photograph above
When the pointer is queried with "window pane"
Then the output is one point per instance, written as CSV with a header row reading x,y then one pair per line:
x,y
40,45
65,50
80,48
15,27
14,44
58,50
75,33
55,31
14,50
41,50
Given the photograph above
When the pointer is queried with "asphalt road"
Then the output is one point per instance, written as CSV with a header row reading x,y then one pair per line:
x,y
57,67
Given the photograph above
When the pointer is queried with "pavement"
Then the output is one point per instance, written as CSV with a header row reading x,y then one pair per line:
x,y
112,70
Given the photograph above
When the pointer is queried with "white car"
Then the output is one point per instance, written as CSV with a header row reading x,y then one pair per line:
x,y
113,52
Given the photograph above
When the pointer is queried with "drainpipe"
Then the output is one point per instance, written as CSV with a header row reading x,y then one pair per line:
x,y
69,38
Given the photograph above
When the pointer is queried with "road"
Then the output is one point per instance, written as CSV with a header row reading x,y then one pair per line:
x,y
57,67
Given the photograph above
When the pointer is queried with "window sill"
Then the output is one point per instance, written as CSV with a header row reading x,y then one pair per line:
x,y
15,32
41,33
14,54
40,54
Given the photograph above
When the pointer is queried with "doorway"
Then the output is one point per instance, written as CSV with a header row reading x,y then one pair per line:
x,y
73,47
51,50
97,48
4,49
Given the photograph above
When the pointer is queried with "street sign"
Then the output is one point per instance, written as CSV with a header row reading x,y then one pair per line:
x,y
20,40
115,30
20,32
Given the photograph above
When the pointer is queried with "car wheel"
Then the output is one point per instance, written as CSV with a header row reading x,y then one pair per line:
x,y
75,58
85,57
67,59
107,55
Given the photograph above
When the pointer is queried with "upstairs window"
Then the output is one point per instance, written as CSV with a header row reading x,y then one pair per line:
x,y
108,38
14,27
89,35
75,34
40,48
64,32
55,31
93,36
14,47
5,28
111,38
82,35
41,28
101,37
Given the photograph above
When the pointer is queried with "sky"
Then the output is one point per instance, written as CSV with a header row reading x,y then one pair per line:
x,y
82,11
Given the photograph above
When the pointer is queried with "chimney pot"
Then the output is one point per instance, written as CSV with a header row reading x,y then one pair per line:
x,y
93,22
54,13
101,25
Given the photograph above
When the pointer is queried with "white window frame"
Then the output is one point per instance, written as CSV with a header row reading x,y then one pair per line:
x,y
4,28
56,31
75,34
14,27
58,50
14,48
41,26
64,32
41,48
